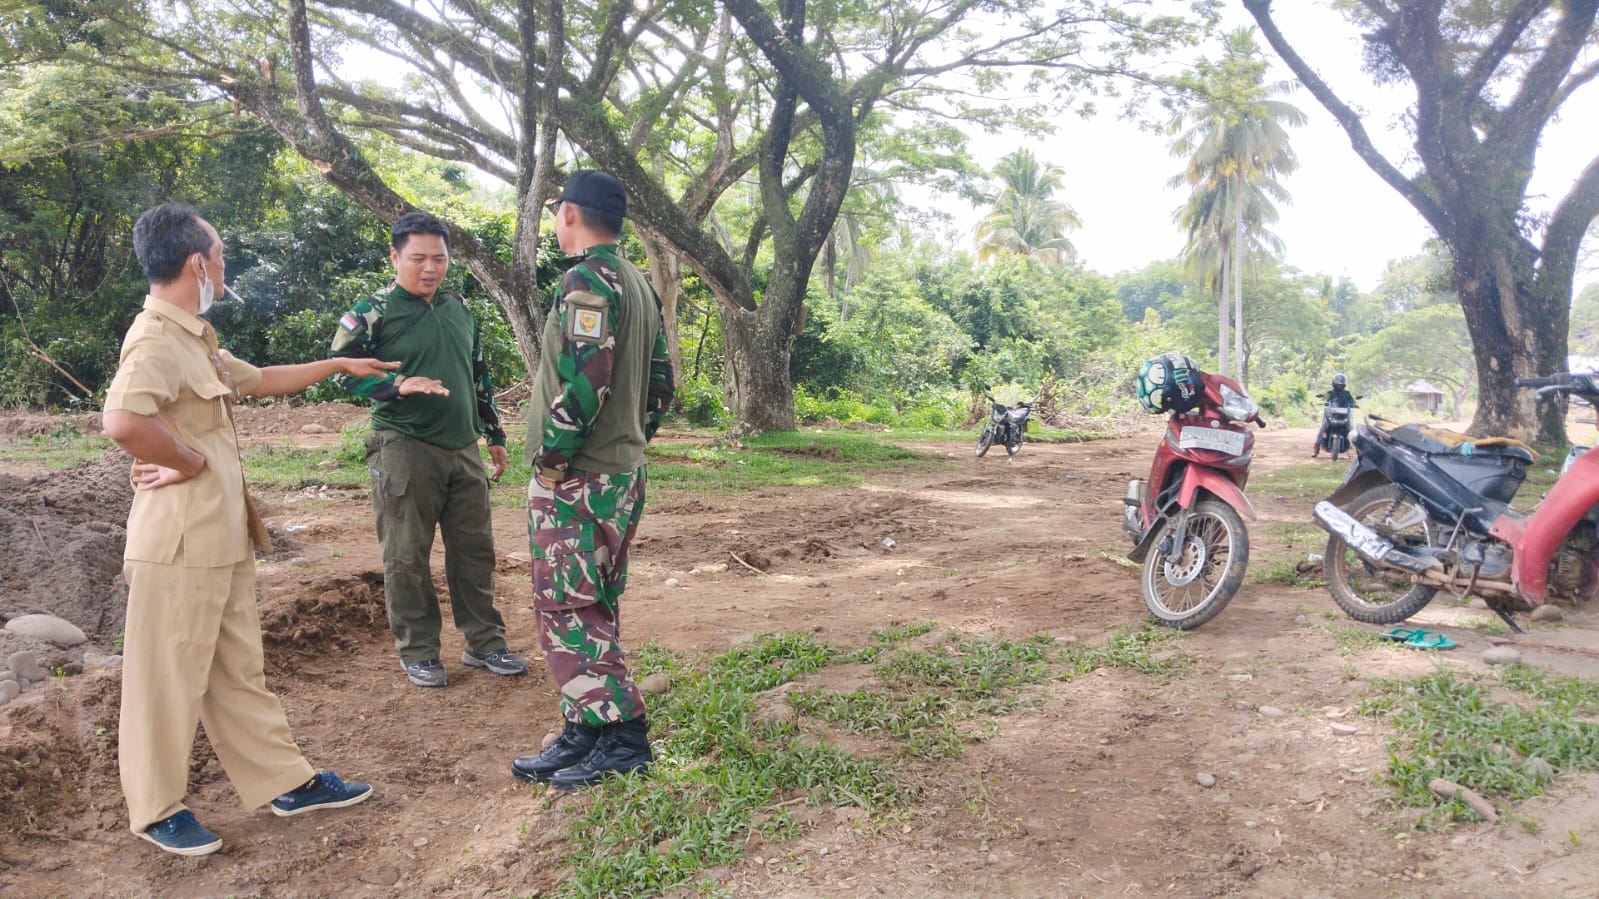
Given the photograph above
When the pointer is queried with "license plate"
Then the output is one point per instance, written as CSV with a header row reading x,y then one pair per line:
x,y
1219,439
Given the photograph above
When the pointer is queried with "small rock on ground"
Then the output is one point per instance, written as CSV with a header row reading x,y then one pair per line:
x,y
9,690
25,665
1548,613
1501,655
1269,711
1205,780
383,877
1344,730
48,628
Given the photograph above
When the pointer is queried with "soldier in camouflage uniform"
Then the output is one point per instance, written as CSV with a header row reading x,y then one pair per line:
x,y
423,454
602,389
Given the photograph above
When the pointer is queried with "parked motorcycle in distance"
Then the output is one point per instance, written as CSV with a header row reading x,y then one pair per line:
x,y
1187,520
1007,425
1424,510
1335,421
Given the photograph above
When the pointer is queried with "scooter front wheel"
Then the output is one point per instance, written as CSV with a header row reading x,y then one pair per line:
x,y
1194,588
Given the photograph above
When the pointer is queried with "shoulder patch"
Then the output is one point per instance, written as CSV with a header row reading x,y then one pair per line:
x,y
587,317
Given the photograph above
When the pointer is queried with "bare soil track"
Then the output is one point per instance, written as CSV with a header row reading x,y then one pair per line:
x,y
1091,792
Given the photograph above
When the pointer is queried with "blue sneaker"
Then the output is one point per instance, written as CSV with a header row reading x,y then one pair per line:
x,y
428,673
181,834
325,790
499,661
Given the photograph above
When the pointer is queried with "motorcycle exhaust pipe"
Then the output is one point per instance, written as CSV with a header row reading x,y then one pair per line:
x,y
1368,543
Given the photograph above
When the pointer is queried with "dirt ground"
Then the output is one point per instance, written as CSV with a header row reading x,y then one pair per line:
x,y
1093,792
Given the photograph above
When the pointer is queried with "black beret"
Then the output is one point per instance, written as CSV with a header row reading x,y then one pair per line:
x,y
595,190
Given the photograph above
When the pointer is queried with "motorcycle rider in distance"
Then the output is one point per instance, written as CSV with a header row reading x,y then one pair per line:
x,y
1339,395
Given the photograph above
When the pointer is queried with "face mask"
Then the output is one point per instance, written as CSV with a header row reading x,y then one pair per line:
x,y
208,292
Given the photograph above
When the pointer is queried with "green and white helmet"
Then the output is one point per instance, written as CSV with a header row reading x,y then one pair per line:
x,y
1169,383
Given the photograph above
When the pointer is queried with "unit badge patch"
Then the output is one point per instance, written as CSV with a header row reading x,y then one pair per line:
x,y
588,323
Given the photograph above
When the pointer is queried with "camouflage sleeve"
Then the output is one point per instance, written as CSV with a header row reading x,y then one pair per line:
x,y
354,339
583,363
661,387
487,412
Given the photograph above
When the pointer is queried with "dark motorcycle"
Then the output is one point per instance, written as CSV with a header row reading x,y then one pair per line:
x,y
1007,425
1424,510
1335,422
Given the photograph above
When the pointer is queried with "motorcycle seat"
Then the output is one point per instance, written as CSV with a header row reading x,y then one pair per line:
x,y
1443,440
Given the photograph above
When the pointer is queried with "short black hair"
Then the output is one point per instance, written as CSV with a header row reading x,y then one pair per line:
x,y
165,237
417,223
608,222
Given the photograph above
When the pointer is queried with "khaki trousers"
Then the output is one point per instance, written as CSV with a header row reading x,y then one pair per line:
x,y
191,653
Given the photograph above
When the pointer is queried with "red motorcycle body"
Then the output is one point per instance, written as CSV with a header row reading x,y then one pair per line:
x,y
1536,537
1203,453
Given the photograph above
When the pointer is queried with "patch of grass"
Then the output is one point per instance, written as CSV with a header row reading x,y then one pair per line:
x,y
926,693
1306,483
61,448
1449,724
722,773
1288,575
716,768
779,459
1351,639
1149,650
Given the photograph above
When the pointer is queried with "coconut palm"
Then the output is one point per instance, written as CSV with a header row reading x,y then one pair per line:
x,y
1237,145
1026,219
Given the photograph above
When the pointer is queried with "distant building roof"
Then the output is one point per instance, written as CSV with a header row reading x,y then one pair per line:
x,y
1422,387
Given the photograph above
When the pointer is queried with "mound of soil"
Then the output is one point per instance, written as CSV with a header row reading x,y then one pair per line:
x,y
62,536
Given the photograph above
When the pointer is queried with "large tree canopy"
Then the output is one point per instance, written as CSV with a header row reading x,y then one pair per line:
x,y
686,104
1488,77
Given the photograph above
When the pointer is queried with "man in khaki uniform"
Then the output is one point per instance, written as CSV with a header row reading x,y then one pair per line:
x,y
192,644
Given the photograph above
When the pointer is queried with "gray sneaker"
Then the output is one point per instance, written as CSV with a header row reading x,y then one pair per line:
x,y
428,673
499,661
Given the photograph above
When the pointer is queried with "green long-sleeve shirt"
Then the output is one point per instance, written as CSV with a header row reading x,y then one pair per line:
x,y
438,339
605,381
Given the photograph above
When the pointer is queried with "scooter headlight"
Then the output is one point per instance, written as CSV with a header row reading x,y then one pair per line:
x,y
1236,406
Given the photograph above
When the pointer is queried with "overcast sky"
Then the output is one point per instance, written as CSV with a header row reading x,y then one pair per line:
x,y
1343,220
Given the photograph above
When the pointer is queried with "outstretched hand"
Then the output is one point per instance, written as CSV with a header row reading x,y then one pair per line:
x,y
366,367
414,385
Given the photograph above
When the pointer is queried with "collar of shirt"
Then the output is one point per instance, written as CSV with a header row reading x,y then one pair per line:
x,y
396,292
188,320
606,251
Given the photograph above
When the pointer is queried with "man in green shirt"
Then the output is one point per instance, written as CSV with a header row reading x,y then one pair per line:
x,y
427,474
603,387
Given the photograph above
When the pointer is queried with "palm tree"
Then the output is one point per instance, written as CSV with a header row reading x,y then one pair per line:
x,y
1026,219
1237,144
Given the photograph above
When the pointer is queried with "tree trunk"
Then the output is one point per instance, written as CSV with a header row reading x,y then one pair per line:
x,y
1518,324
758,365
1224,337
666,276
1238,281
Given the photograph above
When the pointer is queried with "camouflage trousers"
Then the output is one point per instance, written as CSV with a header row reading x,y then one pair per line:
x,y
579,534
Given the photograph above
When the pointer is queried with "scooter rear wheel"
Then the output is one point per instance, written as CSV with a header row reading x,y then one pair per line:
x,y
1194,589
1369,594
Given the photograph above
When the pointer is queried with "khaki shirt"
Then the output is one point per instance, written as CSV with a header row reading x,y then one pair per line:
x,y
167,371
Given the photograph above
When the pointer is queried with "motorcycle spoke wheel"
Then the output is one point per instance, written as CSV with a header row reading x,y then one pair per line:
x,y
1367,593
1013,448
984,441
1190,591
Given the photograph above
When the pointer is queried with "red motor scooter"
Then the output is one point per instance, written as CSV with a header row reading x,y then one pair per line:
x,y
1187,520
1425,510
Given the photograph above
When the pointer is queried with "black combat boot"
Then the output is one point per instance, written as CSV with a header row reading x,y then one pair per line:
x,y
622,749
572,746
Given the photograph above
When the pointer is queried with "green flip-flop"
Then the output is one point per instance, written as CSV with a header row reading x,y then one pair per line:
x,y
1429,640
